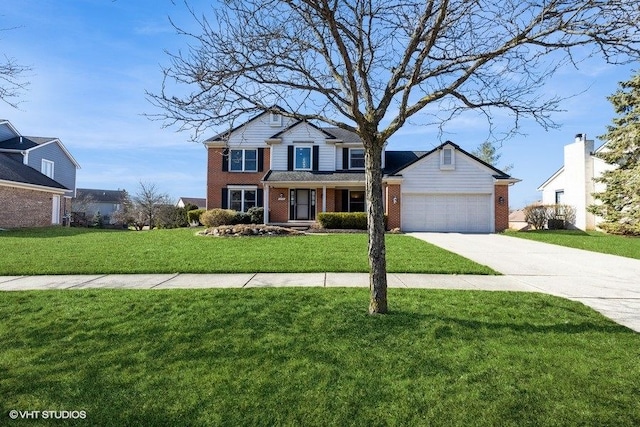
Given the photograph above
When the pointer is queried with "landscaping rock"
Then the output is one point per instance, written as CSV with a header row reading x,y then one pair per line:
x,y
249,230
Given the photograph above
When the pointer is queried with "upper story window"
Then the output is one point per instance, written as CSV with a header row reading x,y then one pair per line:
x,y
303,158
356,158
243,160
447,159
47,168
275,120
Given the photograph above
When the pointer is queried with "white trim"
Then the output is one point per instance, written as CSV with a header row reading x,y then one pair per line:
x,y
307,146
275,119
363,158
244,160
242,189
452,161
25,186
44,166
55,209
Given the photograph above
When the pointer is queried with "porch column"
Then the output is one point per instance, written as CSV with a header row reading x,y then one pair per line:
x,y
324,198
266,203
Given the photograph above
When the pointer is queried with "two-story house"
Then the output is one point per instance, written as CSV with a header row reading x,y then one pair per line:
x,y
37,179
295,170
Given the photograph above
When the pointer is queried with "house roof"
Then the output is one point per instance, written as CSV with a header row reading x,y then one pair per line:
x,y
225,133
397,160
288,128
25,143
101,196
411,157
200,202
344,135
15,171
304,176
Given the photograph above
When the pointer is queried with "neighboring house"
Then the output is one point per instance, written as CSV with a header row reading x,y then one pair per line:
x,y
184,201
573,184
296,170
88,202
37,179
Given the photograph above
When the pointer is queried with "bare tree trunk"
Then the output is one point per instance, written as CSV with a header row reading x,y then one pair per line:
x,y
376,229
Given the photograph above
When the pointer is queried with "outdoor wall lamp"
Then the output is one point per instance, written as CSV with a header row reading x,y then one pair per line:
x,y
501,200
395,200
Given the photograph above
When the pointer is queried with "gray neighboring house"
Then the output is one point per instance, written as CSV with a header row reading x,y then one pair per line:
x,y
201,203
88,202
37,179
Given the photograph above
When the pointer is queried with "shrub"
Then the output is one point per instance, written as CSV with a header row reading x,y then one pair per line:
x,y
217,217
345,220
171,217
256,214
241,218
193,216
553,217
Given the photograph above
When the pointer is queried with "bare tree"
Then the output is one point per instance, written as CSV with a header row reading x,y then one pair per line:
x,y
147,203
369,65
12,82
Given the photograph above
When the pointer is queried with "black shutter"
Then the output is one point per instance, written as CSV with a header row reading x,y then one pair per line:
x,y
345,158
345,200
316,158
260,159
225,161
225,199
260,198
290,158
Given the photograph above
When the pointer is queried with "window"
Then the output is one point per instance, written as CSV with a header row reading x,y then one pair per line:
x,y
47,168
243,160
275,120
447,161
559,197
356,201
303,158
242,200
356,158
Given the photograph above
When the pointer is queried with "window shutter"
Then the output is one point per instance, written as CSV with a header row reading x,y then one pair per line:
x,y
225,199
290,158
345,158
316,158
345,200
260,198
260,159
225,161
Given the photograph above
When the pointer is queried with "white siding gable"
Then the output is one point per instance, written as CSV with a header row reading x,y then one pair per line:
x,y
469,176
254,133
303,132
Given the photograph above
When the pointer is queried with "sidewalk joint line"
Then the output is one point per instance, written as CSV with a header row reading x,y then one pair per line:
x,y
165,281
87,282
249,281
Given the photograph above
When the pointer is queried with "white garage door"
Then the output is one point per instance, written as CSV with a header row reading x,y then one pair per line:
x,y
466,213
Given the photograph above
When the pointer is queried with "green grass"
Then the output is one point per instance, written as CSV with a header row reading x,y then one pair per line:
x,y
85,251
312,357
590,240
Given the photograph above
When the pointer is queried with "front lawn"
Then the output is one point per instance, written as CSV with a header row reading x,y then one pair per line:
x,y
87,251
313,357
588,240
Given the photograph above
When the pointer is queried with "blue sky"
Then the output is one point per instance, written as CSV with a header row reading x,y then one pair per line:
x,y
93,60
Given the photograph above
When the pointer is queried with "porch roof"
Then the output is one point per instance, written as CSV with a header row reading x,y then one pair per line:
x,y
315,177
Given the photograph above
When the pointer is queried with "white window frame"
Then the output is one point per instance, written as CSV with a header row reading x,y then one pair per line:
x,y
242,190
295,157
351,150
47,168
452,160
244,160
275,119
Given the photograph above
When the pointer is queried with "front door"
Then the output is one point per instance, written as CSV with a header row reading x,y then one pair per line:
x,y
302,204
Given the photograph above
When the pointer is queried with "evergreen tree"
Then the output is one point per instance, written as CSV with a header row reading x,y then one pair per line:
x,y
620,202
488,153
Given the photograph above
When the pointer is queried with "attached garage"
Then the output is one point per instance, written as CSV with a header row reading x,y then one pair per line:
x,y
464,213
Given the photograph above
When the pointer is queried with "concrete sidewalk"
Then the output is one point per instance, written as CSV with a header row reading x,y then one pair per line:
x,y
200,281
625,311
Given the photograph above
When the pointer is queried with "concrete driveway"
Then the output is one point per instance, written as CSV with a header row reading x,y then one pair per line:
x,y
610,284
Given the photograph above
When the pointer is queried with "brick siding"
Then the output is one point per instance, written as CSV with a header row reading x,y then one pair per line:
x,y
392,210
25,208
501,209
217,179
